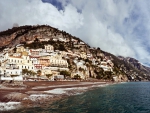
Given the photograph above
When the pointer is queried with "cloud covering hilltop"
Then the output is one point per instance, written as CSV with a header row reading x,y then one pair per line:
x,y
117,26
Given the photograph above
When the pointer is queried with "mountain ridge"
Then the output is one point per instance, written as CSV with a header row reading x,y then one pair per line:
x,y
30,36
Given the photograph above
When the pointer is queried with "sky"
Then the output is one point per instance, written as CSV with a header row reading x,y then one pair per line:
x,y
121,27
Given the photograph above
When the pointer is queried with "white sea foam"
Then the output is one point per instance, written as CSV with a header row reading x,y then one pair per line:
x,y
76,88
35,97
56,91
6,106
123,82
65,90
101,85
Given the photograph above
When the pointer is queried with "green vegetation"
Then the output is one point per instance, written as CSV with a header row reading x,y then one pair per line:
x,y
36,44
14,75
48,75
65,73
99,72
81,69
39,72
28,72
77,77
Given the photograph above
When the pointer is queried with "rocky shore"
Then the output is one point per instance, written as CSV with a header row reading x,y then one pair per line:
x,y
41,93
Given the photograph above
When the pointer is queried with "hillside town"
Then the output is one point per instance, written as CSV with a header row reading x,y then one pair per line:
x,y
40,64
22,63
41,52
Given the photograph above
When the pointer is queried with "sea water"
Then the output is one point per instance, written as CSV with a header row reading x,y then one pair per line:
x,y
132,97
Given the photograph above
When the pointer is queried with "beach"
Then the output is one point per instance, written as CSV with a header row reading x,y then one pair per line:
x,y
41,93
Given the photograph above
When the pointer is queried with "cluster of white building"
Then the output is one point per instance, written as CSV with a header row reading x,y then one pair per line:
x,y
47,60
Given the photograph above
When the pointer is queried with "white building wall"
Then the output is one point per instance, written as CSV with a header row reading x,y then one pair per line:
x,y
13,72
14,60
29,67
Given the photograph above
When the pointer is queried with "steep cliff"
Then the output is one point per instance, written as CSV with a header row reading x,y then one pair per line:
x,y
142,70
12,37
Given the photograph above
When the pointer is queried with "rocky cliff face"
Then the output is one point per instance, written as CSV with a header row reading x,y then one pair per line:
x,y
143,70
16,35
135,63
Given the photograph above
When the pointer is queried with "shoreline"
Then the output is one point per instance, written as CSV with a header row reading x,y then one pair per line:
x,y
42,93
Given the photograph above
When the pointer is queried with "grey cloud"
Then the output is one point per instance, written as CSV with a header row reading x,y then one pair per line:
x,y
108,24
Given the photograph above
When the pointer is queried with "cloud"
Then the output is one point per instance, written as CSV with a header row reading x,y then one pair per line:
x,y
117,26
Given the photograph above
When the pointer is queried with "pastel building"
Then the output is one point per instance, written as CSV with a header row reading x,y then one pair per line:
x,y
22,62
58,62
35,52
44,61
20,49
49,48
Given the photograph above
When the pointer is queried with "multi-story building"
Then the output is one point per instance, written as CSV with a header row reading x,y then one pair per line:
x,y
44,61
35,52
58,61
20,49
49,48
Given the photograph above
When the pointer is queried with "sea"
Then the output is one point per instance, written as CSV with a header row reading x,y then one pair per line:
x,y
130,97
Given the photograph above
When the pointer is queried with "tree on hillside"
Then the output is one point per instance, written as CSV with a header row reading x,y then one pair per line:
x,y
81,69
15,49
32,73
24,72
65,73
48,75
77,76
98,49
36,40
39,73
108,75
